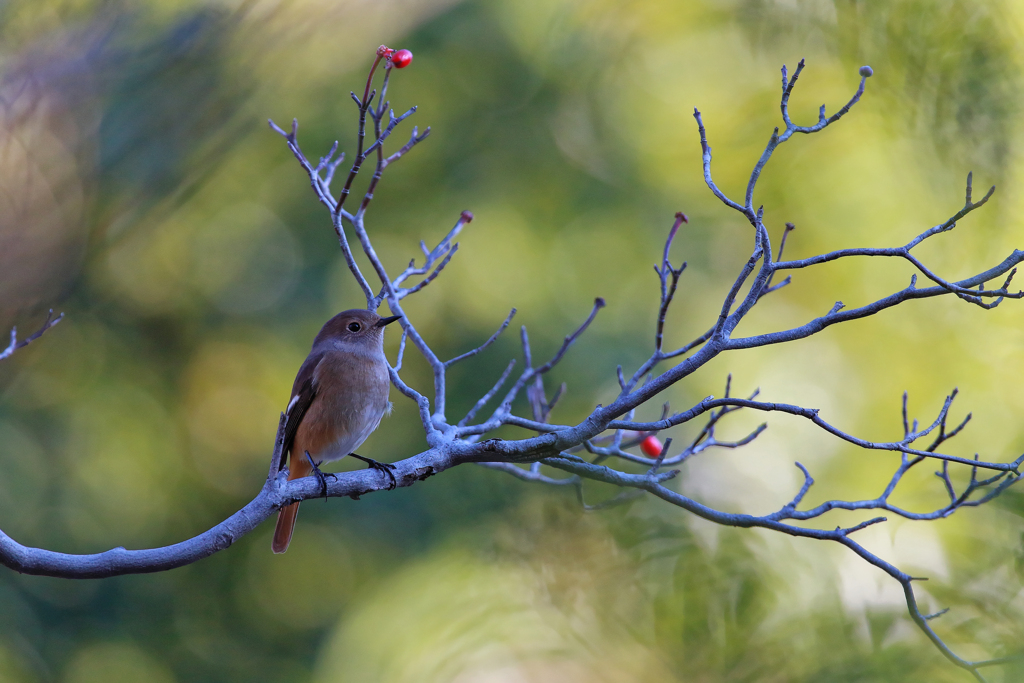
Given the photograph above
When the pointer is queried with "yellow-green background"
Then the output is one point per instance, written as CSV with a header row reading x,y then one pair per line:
x,y
142,194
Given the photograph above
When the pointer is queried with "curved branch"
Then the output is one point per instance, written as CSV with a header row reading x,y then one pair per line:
x,y
276,492
490,340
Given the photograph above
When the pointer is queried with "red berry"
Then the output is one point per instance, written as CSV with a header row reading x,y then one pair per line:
x,y
651,446
401,59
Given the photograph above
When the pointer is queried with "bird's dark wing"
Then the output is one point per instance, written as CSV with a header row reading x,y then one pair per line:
x,y
303,393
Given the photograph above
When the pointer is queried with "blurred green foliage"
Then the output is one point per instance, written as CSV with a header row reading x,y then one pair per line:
x,y
142,194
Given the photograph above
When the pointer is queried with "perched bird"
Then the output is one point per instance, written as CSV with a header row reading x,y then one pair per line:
x,y
338,399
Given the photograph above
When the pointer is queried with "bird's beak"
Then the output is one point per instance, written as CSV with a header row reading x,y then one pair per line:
x,y
387,321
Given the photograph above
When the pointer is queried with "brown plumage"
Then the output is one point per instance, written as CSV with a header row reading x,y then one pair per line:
x,y
339,396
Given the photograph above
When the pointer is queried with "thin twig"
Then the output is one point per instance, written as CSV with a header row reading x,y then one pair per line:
x,y
15,344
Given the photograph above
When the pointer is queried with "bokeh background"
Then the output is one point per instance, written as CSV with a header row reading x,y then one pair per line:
x,y
143,195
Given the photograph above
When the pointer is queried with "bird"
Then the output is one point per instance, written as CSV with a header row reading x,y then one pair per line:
x,y
339,397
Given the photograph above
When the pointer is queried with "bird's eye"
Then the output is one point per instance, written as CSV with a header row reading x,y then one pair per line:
x,y
354,327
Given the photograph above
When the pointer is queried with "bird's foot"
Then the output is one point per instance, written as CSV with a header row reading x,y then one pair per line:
x,y
386,468
320,476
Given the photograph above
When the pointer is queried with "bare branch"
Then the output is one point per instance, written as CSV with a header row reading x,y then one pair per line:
x,y
444,251
571,339
669,277
488,396
707,165
14,345
321,186
529,475
812,414
401,351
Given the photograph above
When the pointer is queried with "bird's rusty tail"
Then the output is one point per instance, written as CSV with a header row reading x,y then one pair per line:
x,y
285,526
298,467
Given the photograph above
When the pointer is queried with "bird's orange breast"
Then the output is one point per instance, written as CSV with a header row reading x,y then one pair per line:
x,y
351,397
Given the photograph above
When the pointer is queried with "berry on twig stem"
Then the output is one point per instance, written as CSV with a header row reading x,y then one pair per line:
x,y
401,59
